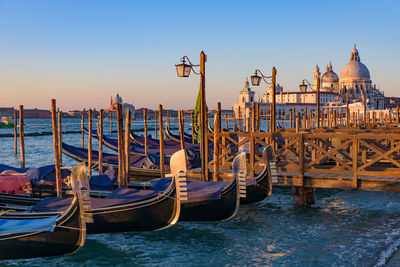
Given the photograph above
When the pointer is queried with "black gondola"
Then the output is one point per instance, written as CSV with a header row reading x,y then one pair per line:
x,y
217,205
128,209
259,188
53,234
141,166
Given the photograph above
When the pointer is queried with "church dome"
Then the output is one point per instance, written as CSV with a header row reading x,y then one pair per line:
x,y
354,70
330,76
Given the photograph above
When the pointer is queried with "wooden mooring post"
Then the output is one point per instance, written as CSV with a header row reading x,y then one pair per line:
x,y
121,161
216,147
15,133
56,148
127,144
60,136
160,120
146,142
100,136
21,135
90,127
111,121
83,129
181,127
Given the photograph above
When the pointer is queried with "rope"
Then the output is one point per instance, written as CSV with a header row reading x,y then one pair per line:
x,y
4,212
68,227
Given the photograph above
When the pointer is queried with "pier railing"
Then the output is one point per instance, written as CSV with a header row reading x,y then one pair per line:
x,y
340,159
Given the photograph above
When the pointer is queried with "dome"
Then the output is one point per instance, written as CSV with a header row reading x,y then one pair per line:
x,y
330,76
354,70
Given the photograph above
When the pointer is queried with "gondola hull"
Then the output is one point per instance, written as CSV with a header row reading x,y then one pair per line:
x,y
144,216
67,237
213,210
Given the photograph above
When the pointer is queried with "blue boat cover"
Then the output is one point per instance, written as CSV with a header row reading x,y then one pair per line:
x,y
197,190
105,181
118,197
20,226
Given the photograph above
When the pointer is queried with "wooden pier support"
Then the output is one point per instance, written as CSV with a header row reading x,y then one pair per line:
x,y
56,148
21,135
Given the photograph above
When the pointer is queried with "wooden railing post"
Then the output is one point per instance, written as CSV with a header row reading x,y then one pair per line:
x,y
21,135
100,136
160,120
56,149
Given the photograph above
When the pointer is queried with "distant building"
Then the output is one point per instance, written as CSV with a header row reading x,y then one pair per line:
x,y
354,78
118,100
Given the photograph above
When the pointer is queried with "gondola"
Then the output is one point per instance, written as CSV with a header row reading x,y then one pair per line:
x,y
213,201
42,234
140,166
128,209
258,189
176,138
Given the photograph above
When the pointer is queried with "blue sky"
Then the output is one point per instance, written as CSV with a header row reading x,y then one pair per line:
x,y
82,52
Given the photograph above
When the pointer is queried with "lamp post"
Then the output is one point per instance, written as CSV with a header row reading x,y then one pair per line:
x,y
255,81
183,70
303,88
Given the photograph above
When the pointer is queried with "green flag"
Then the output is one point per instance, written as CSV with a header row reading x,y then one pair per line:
x,y
196,115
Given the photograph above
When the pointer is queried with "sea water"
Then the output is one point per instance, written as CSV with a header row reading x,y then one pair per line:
x,y
342,228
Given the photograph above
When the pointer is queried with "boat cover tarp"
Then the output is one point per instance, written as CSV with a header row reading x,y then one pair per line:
x,y
20,226
192,156
155,143
11,182
105,181
41,175
197,190
110,159
118,197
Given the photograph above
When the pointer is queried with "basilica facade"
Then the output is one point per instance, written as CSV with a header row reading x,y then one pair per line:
x,y
354,78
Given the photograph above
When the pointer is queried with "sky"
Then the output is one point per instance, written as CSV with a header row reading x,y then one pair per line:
x,y
83,52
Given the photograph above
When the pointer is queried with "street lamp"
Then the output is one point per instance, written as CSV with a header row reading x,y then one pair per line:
x,y
304,86
183,70
255,81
